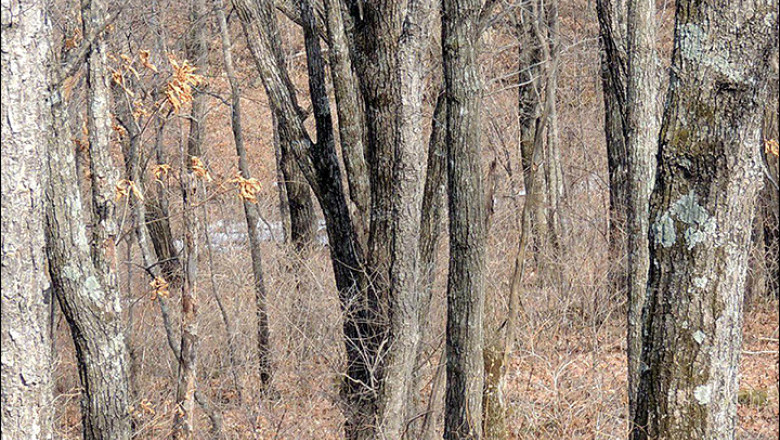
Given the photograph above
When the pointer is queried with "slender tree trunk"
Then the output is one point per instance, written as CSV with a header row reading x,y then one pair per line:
x,y
250,209
26,298
642,126
352,124
529,110
708,176
614,68
465,295
553,158
197,51
497,353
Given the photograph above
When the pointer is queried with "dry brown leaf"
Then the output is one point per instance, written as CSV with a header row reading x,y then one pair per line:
x,y
200,169
125,187
161,171
247,188
772,147
160,287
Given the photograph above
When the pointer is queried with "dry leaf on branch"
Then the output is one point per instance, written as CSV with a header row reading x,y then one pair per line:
x,y
124,187
247,188
200,169
772,147
179,89
161,171
160,287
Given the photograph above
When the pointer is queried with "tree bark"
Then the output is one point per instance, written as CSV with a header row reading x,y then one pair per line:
x,y
93,309
700,209
529,110
26,298
614,71
250,209
465,296
642,126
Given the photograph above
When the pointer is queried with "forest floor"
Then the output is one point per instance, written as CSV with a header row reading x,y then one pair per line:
x,y
565,382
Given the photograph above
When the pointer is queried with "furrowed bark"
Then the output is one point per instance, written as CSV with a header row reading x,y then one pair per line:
x,y
102,171
465,296
614,71
642,126
409,157
26,297
93,309
352,130
700,211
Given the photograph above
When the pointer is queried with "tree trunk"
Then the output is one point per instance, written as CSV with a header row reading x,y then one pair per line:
x,y
700,209
26,298
197,51
93,309
352,124
641,145
530,108
465,296
614,68
552,168
408,159
250,209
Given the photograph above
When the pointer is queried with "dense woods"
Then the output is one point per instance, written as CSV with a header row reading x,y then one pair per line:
x,y
390,219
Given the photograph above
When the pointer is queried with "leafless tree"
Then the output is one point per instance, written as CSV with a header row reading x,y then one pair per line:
x,y
700,211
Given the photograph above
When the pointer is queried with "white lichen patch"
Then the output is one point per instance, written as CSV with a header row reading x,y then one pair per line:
x,y
702,394
663,231
699,336
692,44
688,211
700,282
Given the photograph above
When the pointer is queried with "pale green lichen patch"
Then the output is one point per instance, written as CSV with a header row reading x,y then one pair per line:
x,y
700,282
692,41
699,336
702,394
663,231
686,210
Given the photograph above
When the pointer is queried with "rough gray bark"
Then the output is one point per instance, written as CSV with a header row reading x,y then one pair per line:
x,y
93,309
614,71
642,126
708,176
408,161
352,129
26,299
465,295
251,210
102,171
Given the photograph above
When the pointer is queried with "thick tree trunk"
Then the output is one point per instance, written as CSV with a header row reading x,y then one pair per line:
x,y
408,159
708,176
352,124
102,171
26,300
642,126
93,309
465,295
